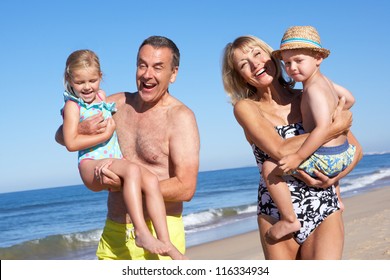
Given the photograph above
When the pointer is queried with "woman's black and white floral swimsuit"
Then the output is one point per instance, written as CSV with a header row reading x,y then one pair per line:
x,y
311,205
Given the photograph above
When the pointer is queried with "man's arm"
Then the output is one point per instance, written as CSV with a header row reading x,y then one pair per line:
x,y
59,137
184,145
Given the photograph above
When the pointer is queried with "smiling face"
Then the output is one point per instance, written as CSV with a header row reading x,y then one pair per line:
x,y
86,83
155,72
255,66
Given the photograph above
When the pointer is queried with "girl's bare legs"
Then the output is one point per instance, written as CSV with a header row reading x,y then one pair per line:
x,y
132,195
280,194
156,210
138,181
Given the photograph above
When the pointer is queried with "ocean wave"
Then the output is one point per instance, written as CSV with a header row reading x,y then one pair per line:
x,y
216,217
364,181
375,153
52,247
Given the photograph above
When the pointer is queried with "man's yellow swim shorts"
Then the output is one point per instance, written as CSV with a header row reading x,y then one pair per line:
x,y
117,241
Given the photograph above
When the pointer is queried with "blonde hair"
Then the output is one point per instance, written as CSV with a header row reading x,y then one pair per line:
x,y
235,86
77,60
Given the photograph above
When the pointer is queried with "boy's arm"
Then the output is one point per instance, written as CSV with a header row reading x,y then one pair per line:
x,y
341,91
72,139
314,104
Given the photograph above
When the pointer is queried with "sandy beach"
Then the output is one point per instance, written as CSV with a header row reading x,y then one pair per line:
x,y
367,233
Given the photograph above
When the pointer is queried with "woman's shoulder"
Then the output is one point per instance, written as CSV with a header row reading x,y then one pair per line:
x,y
247,109
244,104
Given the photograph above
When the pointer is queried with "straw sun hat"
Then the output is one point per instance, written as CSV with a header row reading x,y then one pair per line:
x,y
301,37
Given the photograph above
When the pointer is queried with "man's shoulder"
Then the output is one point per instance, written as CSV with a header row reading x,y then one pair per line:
x,y
178,108
119,97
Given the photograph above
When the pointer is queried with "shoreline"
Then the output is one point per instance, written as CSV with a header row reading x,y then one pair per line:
x,y
367,233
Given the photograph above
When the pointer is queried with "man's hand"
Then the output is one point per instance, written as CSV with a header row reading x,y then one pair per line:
x,y
93,125
90,126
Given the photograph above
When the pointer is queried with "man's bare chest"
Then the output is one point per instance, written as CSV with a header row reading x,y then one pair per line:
x,y
143,138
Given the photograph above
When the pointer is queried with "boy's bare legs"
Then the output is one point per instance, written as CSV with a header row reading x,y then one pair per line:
x,y
156,209
280,194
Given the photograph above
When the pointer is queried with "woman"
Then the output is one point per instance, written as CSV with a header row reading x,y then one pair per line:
x,y
267,107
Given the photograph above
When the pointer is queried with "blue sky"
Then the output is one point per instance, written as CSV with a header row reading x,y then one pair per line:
x,y
37,36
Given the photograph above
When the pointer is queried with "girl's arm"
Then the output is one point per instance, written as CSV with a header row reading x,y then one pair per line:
x,y
75,141
90,126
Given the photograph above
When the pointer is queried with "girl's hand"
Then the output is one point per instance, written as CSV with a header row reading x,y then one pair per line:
x,y
106,177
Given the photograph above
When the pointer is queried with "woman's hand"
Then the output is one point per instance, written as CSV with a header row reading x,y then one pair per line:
x,y
322,181
342,120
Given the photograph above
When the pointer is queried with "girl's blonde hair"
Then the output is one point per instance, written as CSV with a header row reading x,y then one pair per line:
x,y
235,86
77,60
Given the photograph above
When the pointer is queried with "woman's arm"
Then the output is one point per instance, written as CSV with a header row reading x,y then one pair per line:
x,y
262,133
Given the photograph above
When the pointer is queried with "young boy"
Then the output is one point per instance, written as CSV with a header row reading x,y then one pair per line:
x,y
302,54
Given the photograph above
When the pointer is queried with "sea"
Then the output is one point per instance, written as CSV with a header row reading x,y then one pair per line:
x,y
65,222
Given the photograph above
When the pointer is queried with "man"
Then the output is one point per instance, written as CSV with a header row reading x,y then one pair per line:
x,y
158,132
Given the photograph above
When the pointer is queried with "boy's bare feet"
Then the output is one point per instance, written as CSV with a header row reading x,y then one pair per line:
x,y
282,228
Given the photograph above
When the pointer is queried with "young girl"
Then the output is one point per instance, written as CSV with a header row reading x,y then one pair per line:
x,y
84,98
